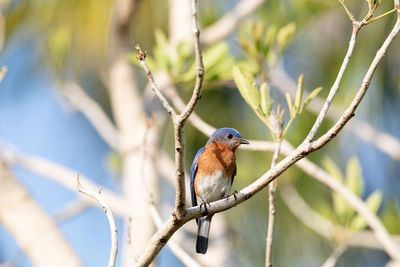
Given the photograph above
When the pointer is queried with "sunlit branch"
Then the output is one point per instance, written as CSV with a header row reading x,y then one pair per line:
x,y
110,217
363,130
179,120
335,87
271,208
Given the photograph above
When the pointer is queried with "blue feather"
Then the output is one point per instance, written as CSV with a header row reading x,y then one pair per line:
x,y
193,171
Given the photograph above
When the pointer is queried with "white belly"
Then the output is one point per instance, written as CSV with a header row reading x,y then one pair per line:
x,y
212,188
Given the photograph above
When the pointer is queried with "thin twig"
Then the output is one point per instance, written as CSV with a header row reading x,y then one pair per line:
x,y
335,87
179,120
62,175
334,257
113,227
178,251
142,59
180,199
385,142
349,112
272,208
349,14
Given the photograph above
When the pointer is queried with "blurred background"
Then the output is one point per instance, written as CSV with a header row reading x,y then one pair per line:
x,y
56,51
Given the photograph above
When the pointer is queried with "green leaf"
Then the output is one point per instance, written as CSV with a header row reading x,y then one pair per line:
x,y
184,53
340,206
373,202
310,97
390,217
332,169
353,176
285,35
299,93
161,53
270,36
290,105
265,102
245,82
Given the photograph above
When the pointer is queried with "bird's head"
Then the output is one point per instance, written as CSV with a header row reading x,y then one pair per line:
x,y
227,136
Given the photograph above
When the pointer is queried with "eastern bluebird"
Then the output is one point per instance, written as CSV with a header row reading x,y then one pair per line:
x,y
211,176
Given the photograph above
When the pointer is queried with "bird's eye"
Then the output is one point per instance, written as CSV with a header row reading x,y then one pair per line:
x,y
229,136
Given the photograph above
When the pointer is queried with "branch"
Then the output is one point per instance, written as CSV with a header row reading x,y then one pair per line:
x,y
305,213
93,112
178,251
271,210
333,258
179,120
142,59
110,217
62,176
383,141
349,112
325,227
335,87
34,231
229,22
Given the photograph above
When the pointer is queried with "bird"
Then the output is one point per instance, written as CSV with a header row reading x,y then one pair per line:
x,y
211,176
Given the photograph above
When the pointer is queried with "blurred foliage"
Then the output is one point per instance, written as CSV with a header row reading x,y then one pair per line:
x,y
259,100
342,212
182,67
263,45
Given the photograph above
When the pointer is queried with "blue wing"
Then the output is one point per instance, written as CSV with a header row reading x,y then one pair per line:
x,y
193,171
234,174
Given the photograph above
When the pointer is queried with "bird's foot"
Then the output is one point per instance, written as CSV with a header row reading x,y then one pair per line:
x,y
204,204
234,195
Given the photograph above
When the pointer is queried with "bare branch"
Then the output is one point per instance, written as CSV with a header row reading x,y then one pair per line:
x,y
63,176
34,230
228,23
199,64
110,217
179,121
271,209
305,213
349,112
322,226
93,112
383,141
335,87
142,59
180,200
333,258
178,251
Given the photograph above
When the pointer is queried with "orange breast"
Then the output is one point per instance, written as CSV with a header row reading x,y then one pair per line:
x,y
217,157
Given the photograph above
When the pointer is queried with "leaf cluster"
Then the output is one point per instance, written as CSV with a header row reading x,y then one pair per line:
x,y
258,99
352,179
264,44
180,64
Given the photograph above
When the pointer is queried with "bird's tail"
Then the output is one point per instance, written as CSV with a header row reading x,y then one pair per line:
x,y
203,229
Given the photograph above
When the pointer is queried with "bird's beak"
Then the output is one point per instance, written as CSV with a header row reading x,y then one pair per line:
x,y
244,142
